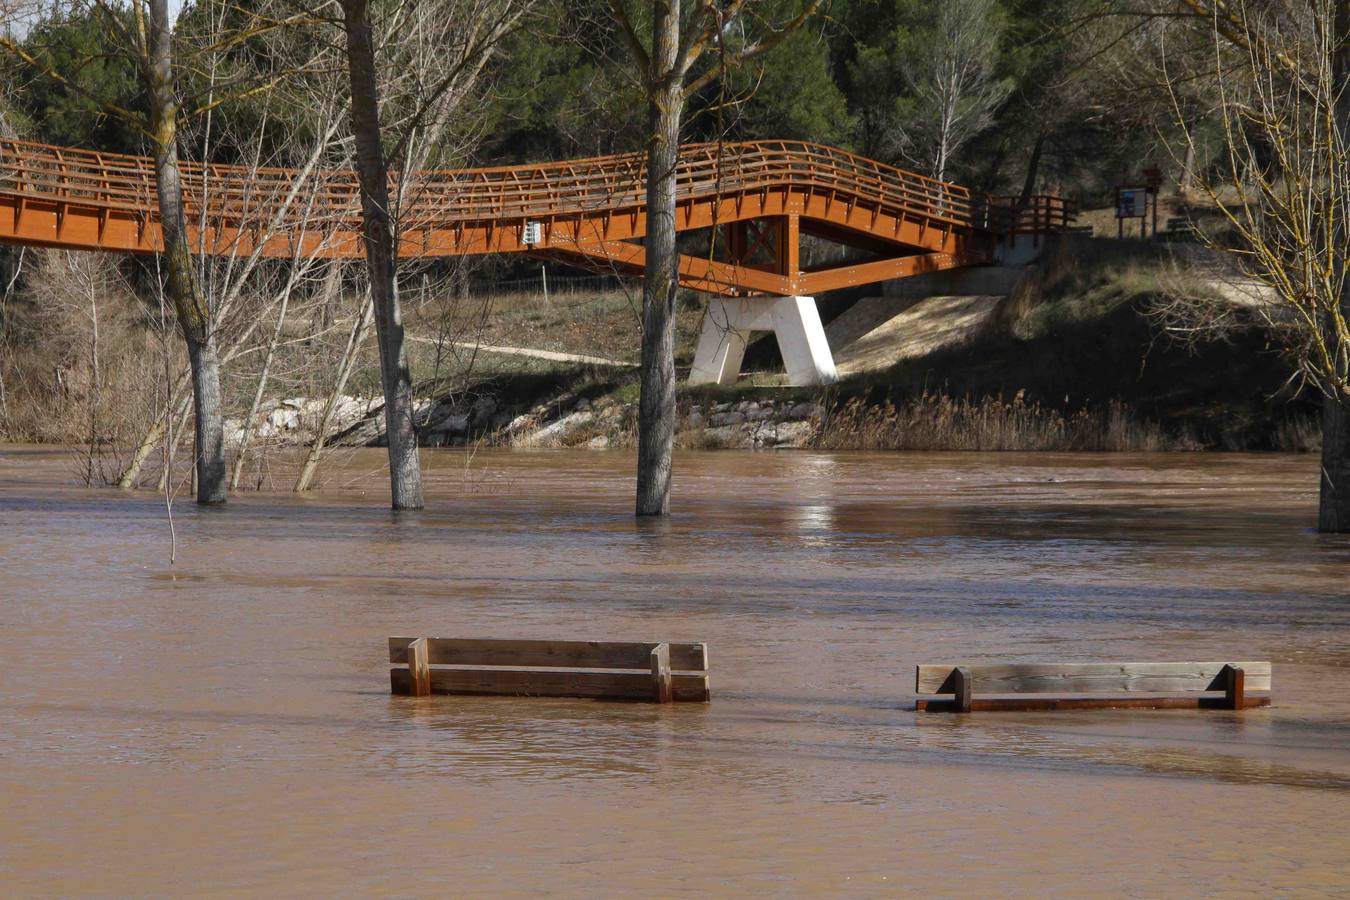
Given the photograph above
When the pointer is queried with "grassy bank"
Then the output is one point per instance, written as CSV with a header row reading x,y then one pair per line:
x,y
1074,359
1077,359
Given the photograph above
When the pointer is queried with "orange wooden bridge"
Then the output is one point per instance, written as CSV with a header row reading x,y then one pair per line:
x,y
763,196
758,199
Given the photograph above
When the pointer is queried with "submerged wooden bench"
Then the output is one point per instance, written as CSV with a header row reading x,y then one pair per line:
x,y
1117,679
603,670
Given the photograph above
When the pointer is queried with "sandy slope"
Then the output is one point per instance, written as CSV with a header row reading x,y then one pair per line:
x,y
878,332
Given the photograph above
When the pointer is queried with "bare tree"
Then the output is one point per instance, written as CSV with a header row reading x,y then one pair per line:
x,y
154,42
1283,75
145,30
346,364
393,38
949,67
676,51
81,321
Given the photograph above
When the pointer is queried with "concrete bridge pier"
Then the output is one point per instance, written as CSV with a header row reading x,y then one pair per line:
x,y
795,322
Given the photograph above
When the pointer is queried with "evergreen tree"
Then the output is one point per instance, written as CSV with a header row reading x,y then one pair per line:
x,y
99,73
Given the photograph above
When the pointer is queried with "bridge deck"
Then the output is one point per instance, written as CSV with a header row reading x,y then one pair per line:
x,y
589,212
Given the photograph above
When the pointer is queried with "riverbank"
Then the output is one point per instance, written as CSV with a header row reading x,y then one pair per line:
x,y
1081,355
1084,353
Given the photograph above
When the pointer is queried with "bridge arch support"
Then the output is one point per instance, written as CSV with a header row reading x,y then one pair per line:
x,y
795,322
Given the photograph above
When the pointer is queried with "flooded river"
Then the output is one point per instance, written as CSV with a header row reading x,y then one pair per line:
x,y
223,724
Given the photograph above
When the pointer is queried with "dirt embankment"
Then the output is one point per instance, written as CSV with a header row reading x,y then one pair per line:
x,y
1075,357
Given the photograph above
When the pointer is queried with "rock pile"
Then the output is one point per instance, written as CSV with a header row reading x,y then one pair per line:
x,y
294,421
747,424
755,424
566,421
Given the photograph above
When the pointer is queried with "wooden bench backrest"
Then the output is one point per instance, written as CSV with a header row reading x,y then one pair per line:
x,y
563,654
1089,678
614,670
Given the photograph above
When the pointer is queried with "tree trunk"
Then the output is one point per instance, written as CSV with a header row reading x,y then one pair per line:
x,y
1334,496
1333,514
405,474
1186,186
210,428
656,406
180,281
1033,170
264,373
345,366
176,404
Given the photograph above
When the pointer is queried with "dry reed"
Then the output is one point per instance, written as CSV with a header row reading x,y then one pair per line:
x,y
940,422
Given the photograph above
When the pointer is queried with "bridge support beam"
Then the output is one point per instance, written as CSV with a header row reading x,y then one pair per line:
x,y
794,321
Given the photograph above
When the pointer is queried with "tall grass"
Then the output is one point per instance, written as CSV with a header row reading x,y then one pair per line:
x,y
1082,279
940,422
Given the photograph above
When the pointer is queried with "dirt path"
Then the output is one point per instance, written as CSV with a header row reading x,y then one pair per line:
x,y
550,355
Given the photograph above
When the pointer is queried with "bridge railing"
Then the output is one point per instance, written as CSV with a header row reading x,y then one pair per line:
x,y
704,170
1038,214
612,183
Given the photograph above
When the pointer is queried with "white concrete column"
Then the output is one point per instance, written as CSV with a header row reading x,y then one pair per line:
x,y
801,339
795,322
721,343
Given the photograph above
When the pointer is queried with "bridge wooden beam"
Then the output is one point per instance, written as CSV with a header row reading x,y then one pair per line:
x,y
87,226
813,283
728,279
697,273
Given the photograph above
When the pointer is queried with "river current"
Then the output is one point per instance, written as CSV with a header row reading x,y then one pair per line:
x,y
222,724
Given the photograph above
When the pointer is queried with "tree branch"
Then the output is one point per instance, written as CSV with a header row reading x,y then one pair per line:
x,y
135,119
630,37
727,63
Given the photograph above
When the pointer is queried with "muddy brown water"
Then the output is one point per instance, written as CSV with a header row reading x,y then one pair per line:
x,y
223,724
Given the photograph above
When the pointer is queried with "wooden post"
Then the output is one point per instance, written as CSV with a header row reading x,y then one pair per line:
x,y
1234,691
788,251
419,668
662,689
965,686
738,243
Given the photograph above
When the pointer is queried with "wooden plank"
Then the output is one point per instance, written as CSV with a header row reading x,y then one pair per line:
x,y
685,687
661,690
688,657
1086,678
1006,704
1235,687
419,669
963,687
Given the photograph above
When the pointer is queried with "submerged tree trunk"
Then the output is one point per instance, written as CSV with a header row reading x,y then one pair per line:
x,y
405,473
264,373
1334,494
345,366
176,405
180,280
1333,514
656,406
